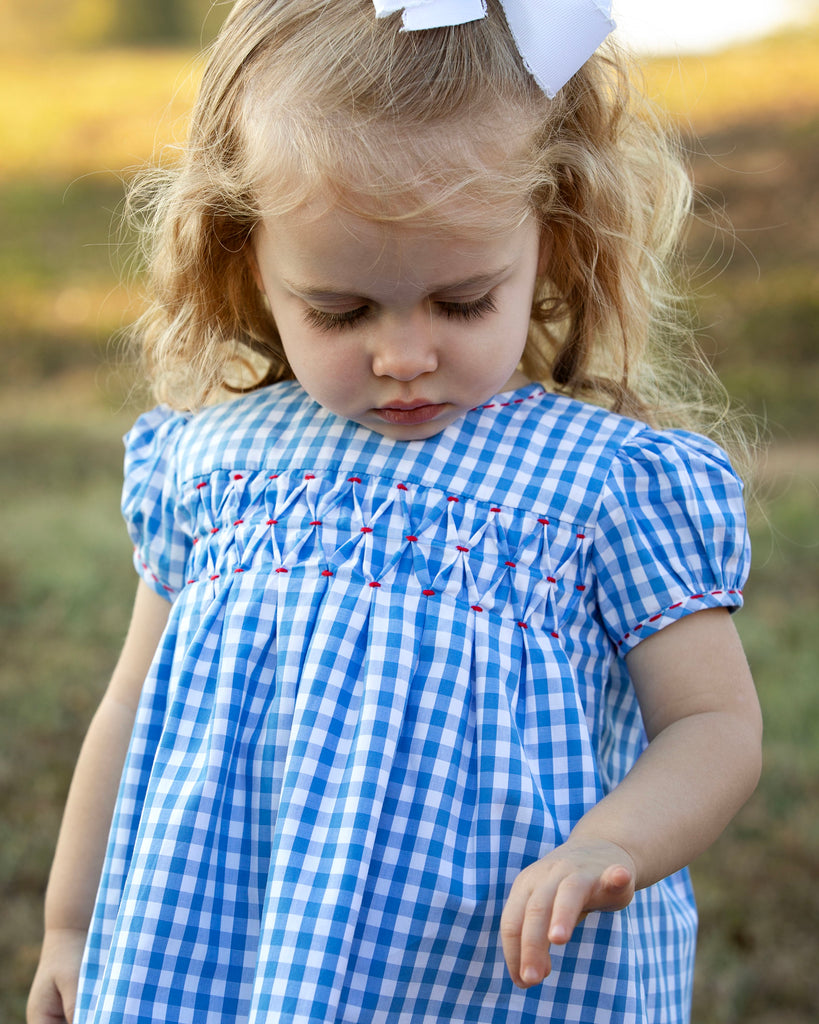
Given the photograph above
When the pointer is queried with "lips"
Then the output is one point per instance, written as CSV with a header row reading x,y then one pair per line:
x,y
409,413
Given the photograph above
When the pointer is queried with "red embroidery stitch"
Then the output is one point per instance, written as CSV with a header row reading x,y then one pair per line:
x,y
316,522
238,570
673,607
581,536
326,572
401,487
238,476
272,522
215,529
476,608
238,522
191,581
374,584
523,625
428,593
452,498
282,570
200,486
411,536
275,476
366,529
353,479
556,636
551,579
495,510
544,522
462,548
580,586
512,565
309,476
216,577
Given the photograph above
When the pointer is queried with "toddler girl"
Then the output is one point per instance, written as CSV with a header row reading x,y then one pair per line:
x,y
431,691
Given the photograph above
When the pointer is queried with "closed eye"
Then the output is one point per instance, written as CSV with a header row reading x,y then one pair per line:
x,y
473,310
325,321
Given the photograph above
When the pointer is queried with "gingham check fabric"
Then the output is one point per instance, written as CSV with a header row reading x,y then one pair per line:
x,y
392,677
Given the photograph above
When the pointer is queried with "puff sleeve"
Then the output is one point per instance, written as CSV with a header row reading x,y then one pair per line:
x,y
149,505
671,535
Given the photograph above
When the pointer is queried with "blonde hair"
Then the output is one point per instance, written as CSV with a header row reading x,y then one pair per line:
x,y
309,97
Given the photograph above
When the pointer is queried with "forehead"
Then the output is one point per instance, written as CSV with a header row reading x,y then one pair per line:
x,y
320,250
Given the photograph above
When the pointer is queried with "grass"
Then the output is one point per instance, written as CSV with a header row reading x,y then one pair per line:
x,y
65,579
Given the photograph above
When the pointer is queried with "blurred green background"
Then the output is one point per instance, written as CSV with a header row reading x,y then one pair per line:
x,y
89,91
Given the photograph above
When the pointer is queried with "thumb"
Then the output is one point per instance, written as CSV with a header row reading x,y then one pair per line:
x,y
615,890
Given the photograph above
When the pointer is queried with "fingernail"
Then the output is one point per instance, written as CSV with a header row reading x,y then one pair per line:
x,y
530,976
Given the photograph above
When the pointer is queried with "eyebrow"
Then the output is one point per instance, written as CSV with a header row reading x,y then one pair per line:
x,y
321,292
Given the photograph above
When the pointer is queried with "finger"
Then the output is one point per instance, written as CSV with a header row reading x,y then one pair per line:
x,y
535,962
616,889
510,929
576,898
519,920
571,900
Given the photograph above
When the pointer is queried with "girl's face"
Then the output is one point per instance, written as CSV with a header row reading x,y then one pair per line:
x,y
395,327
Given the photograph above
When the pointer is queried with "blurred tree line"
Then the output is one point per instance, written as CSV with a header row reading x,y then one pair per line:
x,y
79,24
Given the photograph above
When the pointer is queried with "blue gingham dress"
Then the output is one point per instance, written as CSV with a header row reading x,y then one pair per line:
x,y
393,675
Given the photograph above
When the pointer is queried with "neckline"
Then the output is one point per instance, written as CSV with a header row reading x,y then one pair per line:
x,y
516,396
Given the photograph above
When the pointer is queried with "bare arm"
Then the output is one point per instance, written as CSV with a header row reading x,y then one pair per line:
x,y
702,763
77,865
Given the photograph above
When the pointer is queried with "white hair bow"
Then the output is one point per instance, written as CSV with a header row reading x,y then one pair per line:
x,y
554,37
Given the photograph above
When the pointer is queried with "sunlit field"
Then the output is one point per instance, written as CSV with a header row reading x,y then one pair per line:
x,y
73,129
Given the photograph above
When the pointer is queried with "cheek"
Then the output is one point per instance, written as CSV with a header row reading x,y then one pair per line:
x,y
326,370
502,345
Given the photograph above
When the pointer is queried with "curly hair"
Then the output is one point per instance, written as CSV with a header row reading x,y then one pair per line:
x,y
302,98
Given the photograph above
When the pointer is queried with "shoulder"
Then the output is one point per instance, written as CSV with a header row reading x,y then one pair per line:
x,y
672,467
591,462
240,429
609,446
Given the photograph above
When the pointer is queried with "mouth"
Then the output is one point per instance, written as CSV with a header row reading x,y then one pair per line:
x,y
409,413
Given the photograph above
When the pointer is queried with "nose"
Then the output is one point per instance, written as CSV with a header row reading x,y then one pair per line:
x,y
404,347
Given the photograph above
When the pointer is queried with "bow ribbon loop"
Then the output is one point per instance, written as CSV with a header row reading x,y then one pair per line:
x,y
555,38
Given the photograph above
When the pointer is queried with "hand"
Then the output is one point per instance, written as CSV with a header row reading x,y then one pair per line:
x,y
54,990
549,897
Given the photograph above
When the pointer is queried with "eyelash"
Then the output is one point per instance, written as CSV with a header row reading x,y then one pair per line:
x,y
464,311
